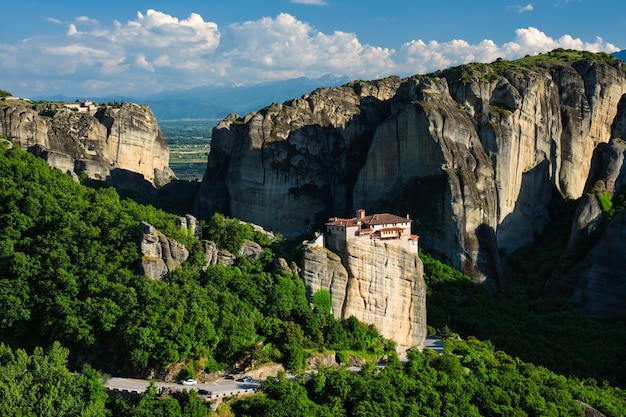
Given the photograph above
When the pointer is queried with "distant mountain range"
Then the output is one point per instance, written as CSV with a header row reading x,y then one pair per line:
x,y
210,102
216,102
620,55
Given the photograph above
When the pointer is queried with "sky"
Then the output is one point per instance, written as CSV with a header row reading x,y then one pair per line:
x,y
139,47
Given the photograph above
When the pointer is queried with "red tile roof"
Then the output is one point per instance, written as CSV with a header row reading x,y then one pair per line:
x,y
371,220
383,218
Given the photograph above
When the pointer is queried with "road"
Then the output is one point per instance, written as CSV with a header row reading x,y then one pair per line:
x,y
434,343
219,388
224,387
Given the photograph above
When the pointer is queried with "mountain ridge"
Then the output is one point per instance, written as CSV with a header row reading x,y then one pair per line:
x,y
215,102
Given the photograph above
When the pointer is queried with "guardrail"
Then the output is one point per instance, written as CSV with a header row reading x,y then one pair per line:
x,y
216,396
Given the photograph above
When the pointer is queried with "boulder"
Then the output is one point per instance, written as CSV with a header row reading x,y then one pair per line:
x,y
251,249
159,254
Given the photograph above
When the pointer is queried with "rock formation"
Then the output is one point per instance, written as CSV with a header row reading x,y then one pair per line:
x,y
159,254
593,279
378,283
474,154
95,143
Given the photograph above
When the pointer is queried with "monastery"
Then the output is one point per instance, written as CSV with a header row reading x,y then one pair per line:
x,y
384,227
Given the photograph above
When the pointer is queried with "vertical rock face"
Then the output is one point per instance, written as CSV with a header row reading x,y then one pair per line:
x,y
126,137
290,167
426,159
134,141
474,154
595,281
378,283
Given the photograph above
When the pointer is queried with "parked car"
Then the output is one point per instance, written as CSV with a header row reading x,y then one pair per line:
x,y
247,379
189,382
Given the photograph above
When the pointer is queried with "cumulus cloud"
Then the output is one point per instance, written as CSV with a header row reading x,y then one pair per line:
x,y
275,48
157,51
420,57
137,51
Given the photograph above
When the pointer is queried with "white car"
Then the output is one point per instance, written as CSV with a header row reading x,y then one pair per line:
x,y
189,382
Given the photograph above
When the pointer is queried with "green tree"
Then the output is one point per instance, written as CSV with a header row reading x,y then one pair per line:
x,y
41,384
228,233
322,301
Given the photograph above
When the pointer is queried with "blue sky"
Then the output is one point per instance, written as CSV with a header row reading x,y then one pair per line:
x,y
90,49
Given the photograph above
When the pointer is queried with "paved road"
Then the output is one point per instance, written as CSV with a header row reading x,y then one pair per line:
x,y
218,388
434,344
223,387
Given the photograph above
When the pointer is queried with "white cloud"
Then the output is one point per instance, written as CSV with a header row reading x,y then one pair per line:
x,y
142,62
523,9
157,51
71,30
421,57
85,20
286,47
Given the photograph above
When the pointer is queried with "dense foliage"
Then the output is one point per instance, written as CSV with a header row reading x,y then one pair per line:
x,y
41,385
520,321
68,273
468,379
490,72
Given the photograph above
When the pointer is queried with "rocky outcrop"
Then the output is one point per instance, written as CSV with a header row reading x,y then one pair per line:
x,y
251,249
125,137
291,166
590,411
378,283
591,274
190,224
473,154
159,254
217,256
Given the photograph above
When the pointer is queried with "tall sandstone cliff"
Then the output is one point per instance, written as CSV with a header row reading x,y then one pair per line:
x,y
377,282
124,138
591,272
473,154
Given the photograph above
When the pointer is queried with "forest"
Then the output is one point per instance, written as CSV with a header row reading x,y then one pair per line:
x,y
73,308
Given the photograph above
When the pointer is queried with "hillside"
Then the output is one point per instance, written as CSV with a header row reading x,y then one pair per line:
x,y
69,267
512,171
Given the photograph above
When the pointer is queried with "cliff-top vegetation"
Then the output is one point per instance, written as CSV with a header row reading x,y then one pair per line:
x,y
489,72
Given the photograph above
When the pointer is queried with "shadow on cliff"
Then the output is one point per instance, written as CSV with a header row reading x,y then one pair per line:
x,y
530,213
316,167
175,197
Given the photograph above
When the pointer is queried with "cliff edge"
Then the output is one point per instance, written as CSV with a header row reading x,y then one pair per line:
x,y
93,143
379,283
